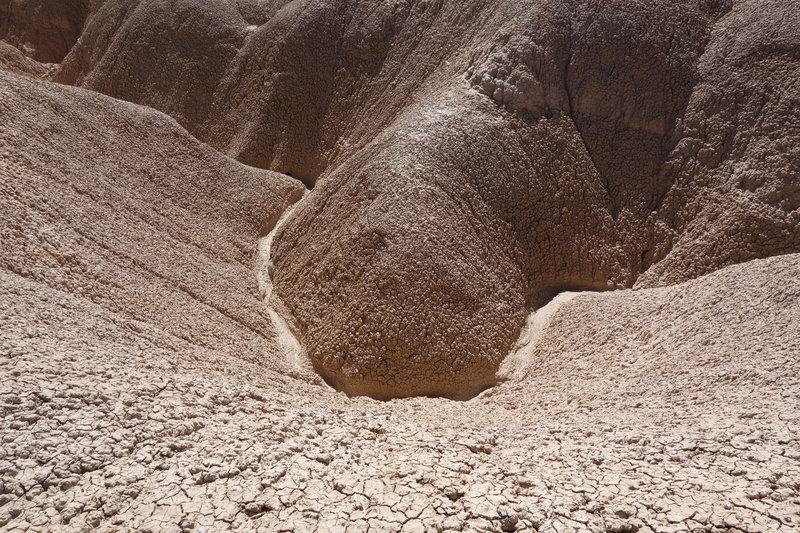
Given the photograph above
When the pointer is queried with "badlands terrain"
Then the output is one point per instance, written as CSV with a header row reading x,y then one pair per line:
x,y
400,265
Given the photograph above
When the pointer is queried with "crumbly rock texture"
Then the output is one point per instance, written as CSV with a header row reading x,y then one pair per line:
x,y
475,158
403,265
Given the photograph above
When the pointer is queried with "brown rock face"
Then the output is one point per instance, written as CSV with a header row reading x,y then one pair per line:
x,y
44,29
472,159
479,177
735,167
13,60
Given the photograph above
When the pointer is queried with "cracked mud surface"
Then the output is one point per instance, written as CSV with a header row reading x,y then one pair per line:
x,y
109,450
470,162
113,447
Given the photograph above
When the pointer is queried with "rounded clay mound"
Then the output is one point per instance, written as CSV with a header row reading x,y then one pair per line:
x,y
471,159
466,175
580,219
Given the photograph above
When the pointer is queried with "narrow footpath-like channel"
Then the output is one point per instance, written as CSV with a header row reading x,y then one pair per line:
x,y
287,340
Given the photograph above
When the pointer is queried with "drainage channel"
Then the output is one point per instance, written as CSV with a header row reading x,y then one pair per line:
x,y
286,339
537,322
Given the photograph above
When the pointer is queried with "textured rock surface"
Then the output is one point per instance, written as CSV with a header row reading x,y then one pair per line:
x,y
603,429
425,249
475,157
122,233
13,60
736,162
44,29
470,161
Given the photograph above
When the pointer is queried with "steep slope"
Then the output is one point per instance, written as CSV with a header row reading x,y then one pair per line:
x,y
474,158
124,235
45,30
13,60
469,161
736,161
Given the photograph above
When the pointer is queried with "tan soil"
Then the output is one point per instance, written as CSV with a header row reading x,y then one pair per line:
x,y
574,225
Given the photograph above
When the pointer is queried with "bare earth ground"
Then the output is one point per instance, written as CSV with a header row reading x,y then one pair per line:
x,y
165,308
616,441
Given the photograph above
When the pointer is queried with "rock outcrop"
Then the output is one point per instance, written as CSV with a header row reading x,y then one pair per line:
x,y
121,233
45,30
13,60
472,159
579,217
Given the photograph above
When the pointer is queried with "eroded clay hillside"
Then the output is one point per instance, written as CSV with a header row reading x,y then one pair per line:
x,y
475,158
567,233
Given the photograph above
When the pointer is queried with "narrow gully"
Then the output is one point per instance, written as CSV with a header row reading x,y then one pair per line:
x,y
287,340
